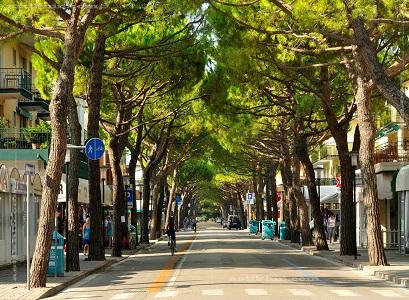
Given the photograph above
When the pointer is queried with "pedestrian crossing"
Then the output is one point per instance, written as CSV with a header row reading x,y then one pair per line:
x,y
342,293
283,293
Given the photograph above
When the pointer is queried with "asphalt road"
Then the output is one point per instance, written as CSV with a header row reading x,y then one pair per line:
x,y
218,263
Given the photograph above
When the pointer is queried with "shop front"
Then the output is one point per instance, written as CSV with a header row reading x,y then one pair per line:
x,y
402,188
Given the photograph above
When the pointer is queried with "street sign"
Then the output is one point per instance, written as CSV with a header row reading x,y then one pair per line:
x,y
178,199
250,198
129,197
338,184
94,148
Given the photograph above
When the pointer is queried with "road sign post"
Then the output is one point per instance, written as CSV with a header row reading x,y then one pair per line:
x,y
30,171
250,201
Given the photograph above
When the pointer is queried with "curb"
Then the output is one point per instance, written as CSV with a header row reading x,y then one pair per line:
x,y
55,290
403,282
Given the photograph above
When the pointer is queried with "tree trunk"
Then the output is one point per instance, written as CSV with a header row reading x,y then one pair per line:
x,y
376,251
301,150
172,194
154,214
73,262
260,187
161,199
287,176
135,152
273,172
391,91
304,222
269,195
58,113
339,131
240,207
145,209
184,209
118,195
96,248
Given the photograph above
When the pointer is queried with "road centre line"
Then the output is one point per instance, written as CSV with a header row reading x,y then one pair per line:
x,y
162,279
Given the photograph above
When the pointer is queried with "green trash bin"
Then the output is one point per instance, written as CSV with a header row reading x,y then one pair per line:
x,y
283,230
56,261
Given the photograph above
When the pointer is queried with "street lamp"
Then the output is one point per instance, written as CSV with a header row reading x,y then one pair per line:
x,y
67,165
125,179
354,161
318,173
103,175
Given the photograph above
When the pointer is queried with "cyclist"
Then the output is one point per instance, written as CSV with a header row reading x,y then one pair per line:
x,y
171,230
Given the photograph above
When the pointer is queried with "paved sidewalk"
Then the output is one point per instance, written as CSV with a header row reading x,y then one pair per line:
x,y
13,280
397,271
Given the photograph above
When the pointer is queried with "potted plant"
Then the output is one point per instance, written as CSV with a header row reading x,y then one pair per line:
x,y
3,130
36,135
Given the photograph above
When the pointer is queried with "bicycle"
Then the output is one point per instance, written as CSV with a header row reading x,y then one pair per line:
x,y
172,246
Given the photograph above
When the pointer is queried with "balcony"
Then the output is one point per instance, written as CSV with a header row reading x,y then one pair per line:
x,y
15,80
392,152
324,153
24,139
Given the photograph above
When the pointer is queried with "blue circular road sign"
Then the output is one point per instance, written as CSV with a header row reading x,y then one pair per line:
x,y
94,148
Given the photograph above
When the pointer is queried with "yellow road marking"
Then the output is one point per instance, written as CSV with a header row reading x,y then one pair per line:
x,y
167,270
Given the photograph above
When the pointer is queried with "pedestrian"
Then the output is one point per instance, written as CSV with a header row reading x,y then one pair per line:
x,y
332,221
325,215
194,224
86,233
185,221
109,232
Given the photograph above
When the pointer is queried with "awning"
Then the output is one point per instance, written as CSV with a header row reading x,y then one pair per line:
x,y
45,116
402,180
24,113
332,198
39,106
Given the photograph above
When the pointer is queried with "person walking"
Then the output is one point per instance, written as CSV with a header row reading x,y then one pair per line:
x,y
332,222
86,233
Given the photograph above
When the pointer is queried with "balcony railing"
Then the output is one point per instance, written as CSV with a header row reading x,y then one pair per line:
x,y
23,139
389,238
323,153
15,78
392,151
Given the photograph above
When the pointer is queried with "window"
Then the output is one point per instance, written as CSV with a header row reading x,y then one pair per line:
x,y
23,63
30,70
14,58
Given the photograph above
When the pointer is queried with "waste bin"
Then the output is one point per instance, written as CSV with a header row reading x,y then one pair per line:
x,y
267,229
283,230
56,261
253,226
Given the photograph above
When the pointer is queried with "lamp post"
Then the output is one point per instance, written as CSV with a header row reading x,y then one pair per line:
x,y
67,165
354,162
318,173
125,179
103,174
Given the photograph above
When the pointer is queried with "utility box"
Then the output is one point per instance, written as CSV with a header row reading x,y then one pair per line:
x,y
56,261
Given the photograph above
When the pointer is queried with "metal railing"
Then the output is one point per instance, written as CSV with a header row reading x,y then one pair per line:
x,y
15,78
11,138
323,181
392,151
390,238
